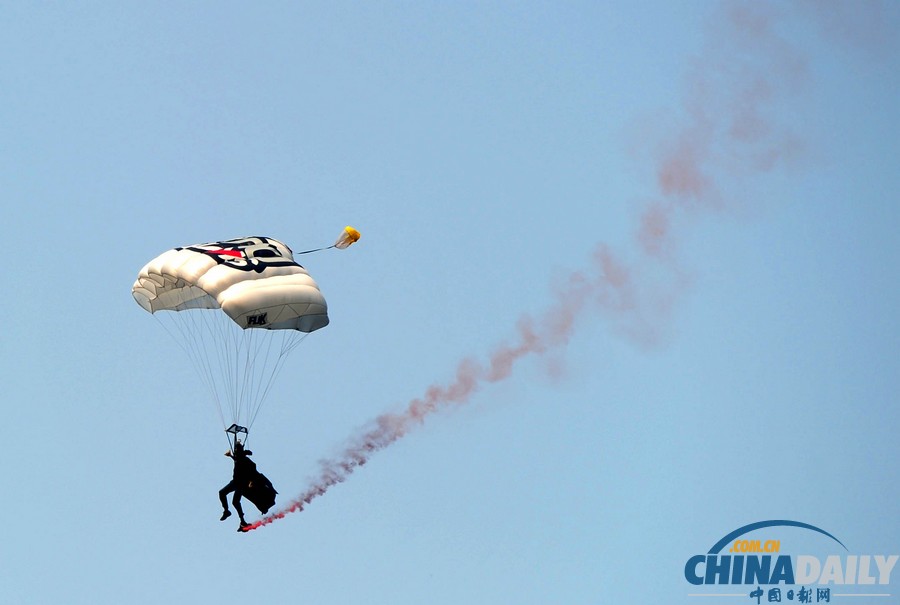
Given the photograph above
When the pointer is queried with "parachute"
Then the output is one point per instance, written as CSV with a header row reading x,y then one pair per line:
x,y
237,307
347,237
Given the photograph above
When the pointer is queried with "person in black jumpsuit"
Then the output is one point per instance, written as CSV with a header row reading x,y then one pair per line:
x,y
244,471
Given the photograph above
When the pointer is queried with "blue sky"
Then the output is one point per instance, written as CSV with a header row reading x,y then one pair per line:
x,y
485,151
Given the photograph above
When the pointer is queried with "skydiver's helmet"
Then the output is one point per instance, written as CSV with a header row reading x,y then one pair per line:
x,y
238,447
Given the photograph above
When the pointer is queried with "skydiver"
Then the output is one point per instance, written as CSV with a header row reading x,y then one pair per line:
x,y
244,471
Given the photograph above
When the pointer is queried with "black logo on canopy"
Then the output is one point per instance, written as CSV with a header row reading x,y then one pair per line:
x,y
256,320
247,254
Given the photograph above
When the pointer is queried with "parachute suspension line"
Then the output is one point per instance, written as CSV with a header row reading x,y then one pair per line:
x,y
290,340
241,370
262,387
202,326
176,326
262,377
217,350
238,366
240,359
257,375
247,355
248,368
194,331
229,363
230,444
206,323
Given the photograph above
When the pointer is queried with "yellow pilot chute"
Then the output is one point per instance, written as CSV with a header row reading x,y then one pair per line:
x,y
348,236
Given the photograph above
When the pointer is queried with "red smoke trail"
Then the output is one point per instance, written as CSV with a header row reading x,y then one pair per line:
x,y
534,338
728,130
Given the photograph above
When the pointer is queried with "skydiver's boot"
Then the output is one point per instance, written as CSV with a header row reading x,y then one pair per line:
x,y
225,514
243,526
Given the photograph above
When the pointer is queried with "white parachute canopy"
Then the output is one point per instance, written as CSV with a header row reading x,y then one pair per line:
x,y
237,307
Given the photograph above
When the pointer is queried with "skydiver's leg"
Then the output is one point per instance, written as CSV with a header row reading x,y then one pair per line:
x,y
222,498
236,500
